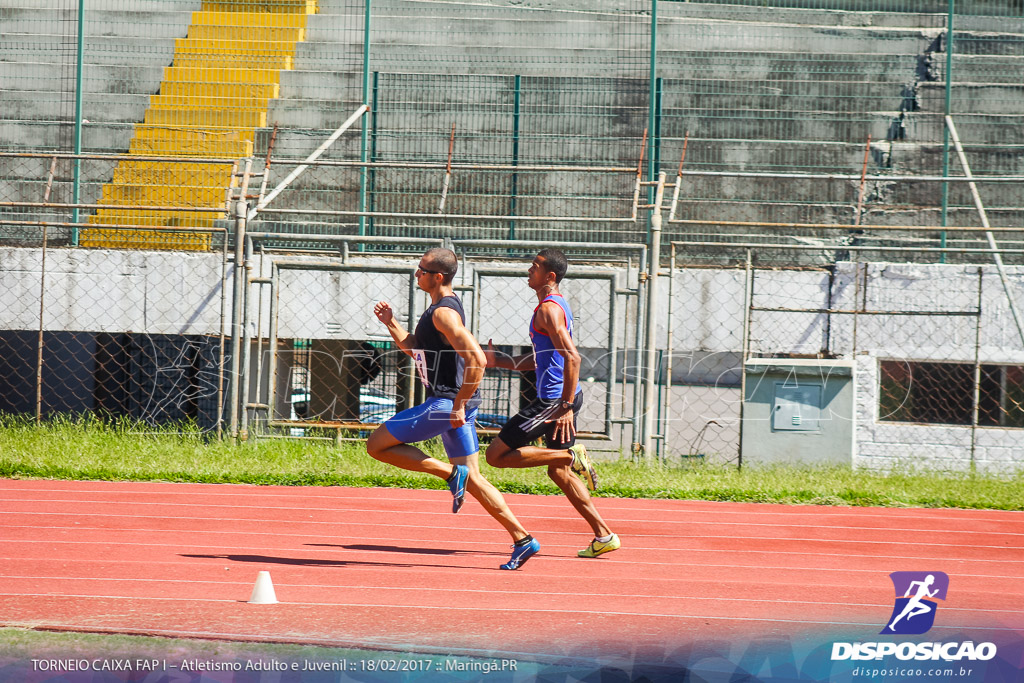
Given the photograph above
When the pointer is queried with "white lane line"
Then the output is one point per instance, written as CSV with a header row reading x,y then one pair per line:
x,y
315,562
357,511
418,538
456,589
506,609
816,511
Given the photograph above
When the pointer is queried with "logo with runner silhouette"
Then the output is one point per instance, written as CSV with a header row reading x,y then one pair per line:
x,y
917,594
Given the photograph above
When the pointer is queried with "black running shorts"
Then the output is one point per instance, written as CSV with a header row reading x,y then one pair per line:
x,y
534,422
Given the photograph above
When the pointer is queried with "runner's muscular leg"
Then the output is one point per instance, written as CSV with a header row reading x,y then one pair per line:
x,y
576,491
500,455
490,497
383,446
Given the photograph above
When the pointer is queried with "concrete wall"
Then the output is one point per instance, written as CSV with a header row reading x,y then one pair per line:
x,y
179,294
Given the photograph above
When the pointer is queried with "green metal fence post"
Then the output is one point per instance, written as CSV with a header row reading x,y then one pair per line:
x,y
365,125
945,129
659,88
373,145
516,99
652,96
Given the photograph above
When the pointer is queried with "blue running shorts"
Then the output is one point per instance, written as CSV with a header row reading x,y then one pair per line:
x,y
432,418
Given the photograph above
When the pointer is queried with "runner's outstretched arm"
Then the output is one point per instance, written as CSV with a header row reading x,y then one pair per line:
x,y
402,337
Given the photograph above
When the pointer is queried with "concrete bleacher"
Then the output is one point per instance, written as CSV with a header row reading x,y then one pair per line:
x,y
788,90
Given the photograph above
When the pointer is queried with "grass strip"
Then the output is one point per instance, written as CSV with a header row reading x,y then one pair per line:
x,y
90,449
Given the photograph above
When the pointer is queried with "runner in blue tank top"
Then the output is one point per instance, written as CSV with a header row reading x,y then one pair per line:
x,y
450,364
559,399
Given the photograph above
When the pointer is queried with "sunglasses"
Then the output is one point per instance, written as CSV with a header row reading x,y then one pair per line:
x,y
429,272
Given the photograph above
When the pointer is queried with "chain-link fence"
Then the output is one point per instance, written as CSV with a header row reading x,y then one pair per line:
x,y
809,133
315,359
935,352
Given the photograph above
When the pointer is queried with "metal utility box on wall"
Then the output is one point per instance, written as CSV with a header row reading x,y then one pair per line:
x,y
798,410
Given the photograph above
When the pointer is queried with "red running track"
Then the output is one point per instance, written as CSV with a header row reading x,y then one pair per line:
x,y
394,569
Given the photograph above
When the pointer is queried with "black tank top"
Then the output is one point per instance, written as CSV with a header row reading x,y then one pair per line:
x,y
439,366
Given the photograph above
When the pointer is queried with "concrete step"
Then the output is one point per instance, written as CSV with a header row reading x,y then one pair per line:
x,y
782,211
98,78
849,13
988,43
895,193
117,5
57,106
981,68
112,23
33,190
974,98
45,135
51,48
1003,159
551,92
974,129
507,35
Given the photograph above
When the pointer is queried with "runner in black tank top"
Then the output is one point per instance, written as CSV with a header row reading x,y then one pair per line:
x,y
441,368
450,362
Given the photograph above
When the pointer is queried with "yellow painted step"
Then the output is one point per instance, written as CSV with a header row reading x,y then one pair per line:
x,y
106,238
191,147
163,195
170,219
191,134
170,173
254,34
193,90
233,46
219,74
196,103
276,19
276,6
206,118
205,60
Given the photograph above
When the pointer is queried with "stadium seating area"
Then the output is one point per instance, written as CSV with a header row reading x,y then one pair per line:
x,y
780,90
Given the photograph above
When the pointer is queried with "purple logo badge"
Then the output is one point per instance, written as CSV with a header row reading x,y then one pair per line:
x,y
916,594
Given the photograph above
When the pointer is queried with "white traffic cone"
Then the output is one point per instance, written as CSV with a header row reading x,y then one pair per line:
x,y
263,591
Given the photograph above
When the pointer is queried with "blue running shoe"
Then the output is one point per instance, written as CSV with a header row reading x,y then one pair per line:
x,y
457,485
521,553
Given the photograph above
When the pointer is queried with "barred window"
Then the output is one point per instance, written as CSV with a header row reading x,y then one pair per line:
x,y
943,393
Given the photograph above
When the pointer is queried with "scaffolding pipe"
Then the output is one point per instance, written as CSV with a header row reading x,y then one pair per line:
x,y
298,170
863,183
996,257
42,302
650,393
447,172
241,211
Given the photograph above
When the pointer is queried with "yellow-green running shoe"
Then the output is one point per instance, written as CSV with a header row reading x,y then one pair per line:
x,y
582,466
598,548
